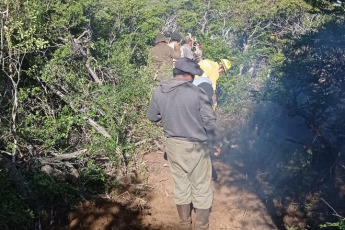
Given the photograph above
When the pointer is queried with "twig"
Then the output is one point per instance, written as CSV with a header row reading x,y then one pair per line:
x,y
122,195
142,142
59,159
143,186
10,154
336,214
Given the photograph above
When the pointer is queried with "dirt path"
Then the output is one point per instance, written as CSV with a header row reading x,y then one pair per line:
x,y
236,205
253,189
246,179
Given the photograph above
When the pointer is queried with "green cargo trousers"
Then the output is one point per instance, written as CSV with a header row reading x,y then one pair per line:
x,y
190,166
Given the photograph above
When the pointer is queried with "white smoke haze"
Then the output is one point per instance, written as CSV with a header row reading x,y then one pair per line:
x,y
291,157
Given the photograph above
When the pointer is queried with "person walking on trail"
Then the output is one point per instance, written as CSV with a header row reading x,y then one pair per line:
x,y
189,123
212,70
162,58
175,39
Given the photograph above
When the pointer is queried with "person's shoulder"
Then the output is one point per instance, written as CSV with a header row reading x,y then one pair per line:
x,y
158,90
185,46
154,49
202,79
209,64
207,61
193,87
165,47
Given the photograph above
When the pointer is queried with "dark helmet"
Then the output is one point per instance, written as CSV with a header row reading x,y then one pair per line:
x,y
175,37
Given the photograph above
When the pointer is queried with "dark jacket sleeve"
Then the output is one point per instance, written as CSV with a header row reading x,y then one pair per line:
x,y
208,90
153,113
209,121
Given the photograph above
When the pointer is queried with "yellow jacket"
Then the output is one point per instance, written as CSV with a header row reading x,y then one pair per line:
x,y
211,70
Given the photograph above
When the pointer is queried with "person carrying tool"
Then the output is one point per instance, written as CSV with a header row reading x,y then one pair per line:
x,y
162,58
212,70
189,123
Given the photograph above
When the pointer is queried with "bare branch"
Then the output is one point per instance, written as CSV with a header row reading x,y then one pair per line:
x,y
93,123
62,157
336,214
77,44
4,152
205,19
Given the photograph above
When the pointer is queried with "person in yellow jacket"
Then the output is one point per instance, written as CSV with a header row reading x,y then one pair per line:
x,y
212,70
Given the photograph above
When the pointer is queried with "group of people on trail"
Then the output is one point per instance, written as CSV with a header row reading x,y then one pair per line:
x,y
164,59
184,106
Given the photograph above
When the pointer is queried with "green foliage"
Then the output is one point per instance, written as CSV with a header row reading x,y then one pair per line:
x,y
14,213
51,190
44,123
340,224
234,93
289,45
188,19
214,48
93,178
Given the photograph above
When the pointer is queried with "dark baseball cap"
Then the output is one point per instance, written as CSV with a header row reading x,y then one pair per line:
x,y
175,37
189,66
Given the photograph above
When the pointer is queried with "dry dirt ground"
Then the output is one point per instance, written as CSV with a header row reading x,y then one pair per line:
x,y
236,206
151,205
239,203
251,191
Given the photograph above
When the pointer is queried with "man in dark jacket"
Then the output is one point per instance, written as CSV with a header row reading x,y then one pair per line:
x,y
189,124
162,58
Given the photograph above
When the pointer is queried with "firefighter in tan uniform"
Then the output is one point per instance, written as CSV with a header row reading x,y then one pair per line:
x,y
162,57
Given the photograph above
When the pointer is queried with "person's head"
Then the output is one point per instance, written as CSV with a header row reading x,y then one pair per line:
x,y
188,40
160,38
224,65
186,68
175,37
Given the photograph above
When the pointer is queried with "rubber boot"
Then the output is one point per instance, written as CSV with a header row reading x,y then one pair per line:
x,y
202,219
185,216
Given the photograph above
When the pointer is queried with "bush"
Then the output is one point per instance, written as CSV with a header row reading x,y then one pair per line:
x,y
14,213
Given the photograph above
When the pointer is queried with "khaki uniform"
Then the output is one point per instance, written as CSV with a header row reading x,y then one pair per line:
x,y
162,59
190,166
